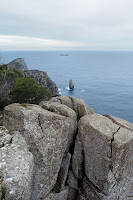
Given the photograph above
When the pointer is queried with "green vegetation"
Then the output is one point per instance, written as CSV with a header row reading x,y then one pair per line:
x,y
4,101
4,190
9,73
15,88
28,90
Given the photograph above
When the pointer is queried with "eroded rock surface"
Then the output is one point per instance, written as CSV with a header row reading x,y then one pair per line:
x,y
78,105
93,163
16,166
46,134
107,149
64,111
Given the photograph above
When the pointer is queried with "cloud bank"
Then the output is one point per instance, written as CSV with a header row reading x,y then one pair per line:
x,y
70,24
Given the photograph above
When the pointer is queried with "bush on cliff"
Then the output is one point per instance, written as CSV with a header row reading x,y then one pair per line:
x,y
8,77
28,90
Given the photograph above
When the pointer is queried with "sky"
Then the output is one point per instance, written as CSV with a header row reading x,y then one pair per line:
x,y
66,25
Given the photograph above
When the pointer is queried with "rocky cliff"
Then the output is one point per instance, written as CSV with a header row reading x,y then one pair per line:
x,y
43,78
19,64
39,76
62,150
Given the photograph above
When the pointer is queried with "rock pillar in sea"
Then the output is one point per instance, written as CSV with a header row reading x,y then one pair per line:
x,y
71,85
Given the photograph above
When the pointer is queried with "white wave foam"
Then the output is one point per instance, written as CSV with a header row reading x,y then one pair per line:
x,y
67,88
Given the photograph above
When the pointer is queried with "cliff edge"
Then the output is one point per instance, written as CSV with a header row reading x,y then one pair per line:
x,y
62,150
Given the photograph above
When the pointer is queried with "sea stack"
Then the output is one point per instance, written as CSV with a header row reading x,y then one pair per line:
x,y
71,85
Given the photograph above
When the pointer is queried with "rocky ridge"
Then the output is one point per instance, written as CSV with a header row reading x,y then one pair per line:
x,y
39,76
62,150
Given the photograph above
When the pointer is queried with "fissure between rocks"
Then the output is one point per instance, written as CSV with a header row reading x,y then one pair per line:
x,y
112,140
39,123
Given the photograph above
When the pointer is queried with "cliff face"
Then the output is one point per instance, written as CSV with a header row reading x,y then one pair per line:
x,y
19,64
64,151
43,78
39,76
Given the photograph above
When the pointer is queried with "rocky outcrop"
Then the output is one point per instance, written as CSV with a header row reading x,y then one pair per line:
x,y
48,136
19,64
39,76
107,149
44,79
65,161
78,105
71,85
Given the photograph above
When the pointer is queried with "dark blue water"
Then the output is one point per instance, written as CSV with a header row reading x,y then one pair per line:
x,y
103,79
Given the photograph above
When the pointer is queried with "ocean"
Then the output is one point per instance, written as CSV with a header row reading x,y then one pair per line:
x,y
103,79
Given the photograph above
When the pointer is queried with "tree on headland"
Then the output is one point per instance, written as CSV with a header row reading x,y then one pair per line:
x,y
28,90
15,88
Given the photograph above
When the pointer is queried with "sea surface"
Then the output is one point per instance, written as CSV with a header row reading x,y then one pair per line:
x,y
103,79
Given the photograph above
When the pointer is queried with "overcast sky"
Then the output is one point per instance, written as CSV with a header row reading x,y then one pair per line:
x,y
66,25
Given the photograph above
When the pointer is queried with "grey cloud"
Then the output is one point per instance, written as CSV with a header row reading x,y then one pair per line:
x,y
94,22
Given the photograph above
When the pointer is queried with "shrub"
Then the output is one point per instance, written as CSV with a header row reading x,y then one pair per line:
x,y
28,90
4,101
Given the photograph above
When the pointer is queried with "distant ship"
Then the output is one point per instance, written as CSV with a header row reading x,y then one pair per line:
x,y
64,54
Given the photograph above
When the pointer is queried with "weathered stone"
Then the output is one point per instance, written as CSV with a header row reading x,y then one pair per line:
x,y
72,194
64,111
44,79
58,196
96,133
63,173
46,134
80,107
63,100
72,180
16,168
5,137
19,64
77,159
108,151
90,191
120,122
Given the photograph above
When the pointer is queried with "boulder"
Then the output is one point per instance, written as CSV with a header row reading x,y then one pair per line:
x,y
64,111
80,107
16,166
46,134
108,157
44,79
63,100
19,64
